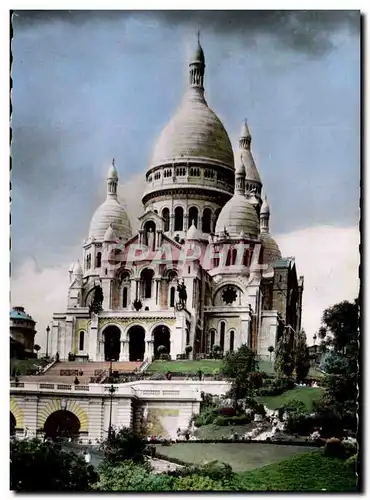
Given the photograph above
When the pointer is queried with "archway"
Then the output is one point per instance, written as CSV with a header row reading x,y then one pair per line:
x,y
161,336
112,343
136,336
62,423
13,424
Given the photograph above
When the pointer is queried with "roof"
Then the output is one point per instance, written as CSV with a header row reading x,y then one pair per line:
x,y
237,216
18,312
287,262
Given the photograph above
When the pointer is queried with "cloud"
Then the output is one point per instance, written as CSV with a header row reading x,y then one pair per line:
x,y
328,258
303,31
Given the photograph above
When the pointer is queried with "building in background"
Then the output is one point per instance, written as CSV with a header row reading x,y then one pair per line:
x,y
22,334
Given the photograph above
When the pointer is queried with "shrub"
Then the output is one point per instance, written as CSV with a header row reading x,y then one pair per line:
x,y
351,463
196,482
293,406
236,420
276,386
219,471
227,411
254,405
301,423
334,448
349,449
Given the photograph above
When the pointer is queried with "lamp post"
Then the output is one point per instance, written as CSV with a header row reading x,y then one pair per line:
x,y
111,390
47,340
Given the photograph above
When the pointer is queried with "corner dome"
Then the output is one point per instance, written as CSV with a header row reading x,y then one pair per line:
x,y
195,132
193,233
110,212
237,216
271,250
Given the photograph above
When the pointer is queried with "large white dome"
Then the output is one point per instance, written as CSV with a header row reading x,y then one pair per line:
x,y
238,216
195,132
110,213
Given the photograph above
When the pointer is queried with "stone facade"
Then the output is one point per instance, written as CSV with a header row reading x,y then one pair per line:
x,y
197,202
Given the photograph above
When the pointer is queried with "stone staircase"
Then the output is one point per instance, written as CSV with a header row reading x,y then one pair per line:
x,y
65,372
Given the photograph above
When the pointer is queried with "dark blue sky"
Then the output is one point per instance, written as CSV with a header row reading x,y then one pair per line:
x,y
88,87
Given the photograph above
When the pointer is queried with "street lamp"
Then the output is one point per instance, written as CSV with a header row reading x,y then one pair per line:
x,y
47,340
63,405
111,390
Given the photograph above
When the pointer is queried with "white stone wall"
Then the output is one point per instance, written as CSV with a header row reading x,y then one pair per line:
x,y
268,333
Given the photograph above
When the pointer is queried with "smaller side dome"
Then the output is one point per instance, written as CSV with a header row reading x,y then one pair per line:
x,y
193,233
77,270
271,250
237,216
265,208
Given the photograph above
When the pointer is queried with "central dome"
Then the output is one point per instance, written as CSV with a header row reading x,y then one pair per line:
x,y
195,132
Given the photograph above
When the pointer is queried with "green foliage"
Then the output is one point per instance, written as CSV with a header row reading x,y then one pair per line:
x,y
197,482
43,466
301,357
294,406
123,444
186,367
275,387
256,406
241,367
236,420
351,463
284,355
130,476
309,472
334,448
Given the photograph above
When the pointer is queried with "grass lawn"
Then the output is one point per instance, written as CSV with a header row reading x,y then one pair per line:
x,y
241,456
22,365
305,472
305,394
191,366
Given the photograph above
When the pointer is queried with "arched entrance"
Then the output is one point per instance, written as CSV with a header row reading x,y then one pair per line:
x,y
13,424
62,423
161,336
112,343
136,336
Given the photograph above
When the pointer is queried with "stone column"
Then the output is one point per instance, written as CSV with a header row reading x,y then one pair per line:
x,y
157,282
67,344
124,353
149,349
106,287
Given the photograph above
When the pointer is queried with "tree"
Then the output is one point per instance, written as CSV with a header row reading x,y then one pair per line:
x,y
301,356
284,354
188,350
241,368
43,466
340,323
271,350
123,444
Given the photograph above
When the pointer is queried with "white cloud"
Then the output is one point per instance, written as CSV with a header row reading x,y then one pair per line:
x,y
328,258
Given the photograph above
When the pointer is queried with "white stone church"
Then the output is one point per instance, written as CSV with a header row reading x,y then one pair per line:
x,y
204,229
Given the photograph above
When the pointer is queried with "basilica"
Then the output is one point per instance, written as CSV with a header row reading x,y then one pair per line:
x,y
203,269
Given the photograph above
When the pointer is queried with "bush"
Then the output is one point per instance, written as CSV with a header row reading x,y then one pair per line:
x,y
196,482
351,463
334,448
236,420
293,406
301,423
216,470
276,386
254,405
349,449
227,411
205,417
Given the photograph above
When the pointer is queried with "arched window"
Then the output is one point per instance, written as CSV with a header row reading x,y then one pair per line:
x,y
146,283
98,260
206,220
232,340
81,341
222,336
124,297
166,216
179,219
193,216
217,213
88,261
213,336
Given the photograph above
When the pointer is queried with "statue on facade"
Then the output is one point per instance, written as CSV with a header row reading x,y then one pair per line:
x,y
137,304
150,239
181,290
97,303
